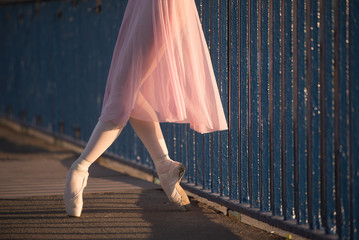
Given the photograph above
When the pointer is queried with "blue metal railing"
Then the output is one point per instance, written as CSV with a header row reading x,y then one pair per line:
x,y
287,72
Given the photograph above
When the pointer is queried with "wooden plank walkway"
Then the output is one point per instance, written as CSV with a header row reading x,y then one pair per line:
x,y
116,206
31,167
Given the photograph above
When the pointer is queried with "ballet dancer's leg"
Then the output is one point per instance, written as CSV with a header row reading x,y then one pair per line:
x,y
169,171
150,133
101,138
151,136
103,135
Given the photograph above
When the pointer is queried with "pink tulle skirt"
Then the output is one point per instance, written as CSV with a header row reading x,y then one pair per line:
x,y
161,69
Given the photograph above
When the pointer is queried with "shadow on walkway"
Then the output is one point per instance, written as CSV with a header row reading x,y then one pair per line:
x,y
121,207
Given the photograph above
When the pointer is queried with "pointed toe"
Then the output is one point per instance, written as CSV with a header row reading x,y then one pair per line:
x,y
74,202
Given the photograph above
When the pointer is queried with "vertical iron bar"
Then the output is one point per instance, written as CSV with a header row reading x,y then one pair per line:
x,y
259,66
230,79
308,111
344,118
206,156
282,104
295,108
287,109
216,65
253,106
327,111
302,111
264,106
211,135
249,100
323,189
271,164
239,104
271,110
348,120
224,85
244,191
354,116
336,119
277,142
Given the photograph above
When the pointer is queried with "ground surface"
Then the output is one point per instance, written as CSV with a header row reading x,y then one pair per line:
x,y
32,176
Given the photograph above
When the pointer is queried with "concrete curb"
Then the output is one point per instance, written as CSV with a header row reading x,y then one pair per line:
x,y
123,167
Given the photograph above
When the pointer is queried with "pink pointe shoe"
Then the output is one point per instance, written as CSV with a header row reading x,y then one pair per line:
x,y
72,196
170,180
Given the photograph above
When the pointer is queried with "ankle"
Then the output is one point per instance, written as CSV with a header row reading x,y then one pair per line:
x,y
162,164
81,165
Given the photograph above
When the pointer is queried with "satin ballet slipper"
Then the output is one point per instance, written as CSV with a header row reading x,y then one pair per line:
x,y
184,198
74,202
170,184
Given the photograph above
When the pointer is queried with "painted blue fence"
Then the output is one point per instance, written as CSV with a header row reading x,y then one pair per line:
x,y
288,76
